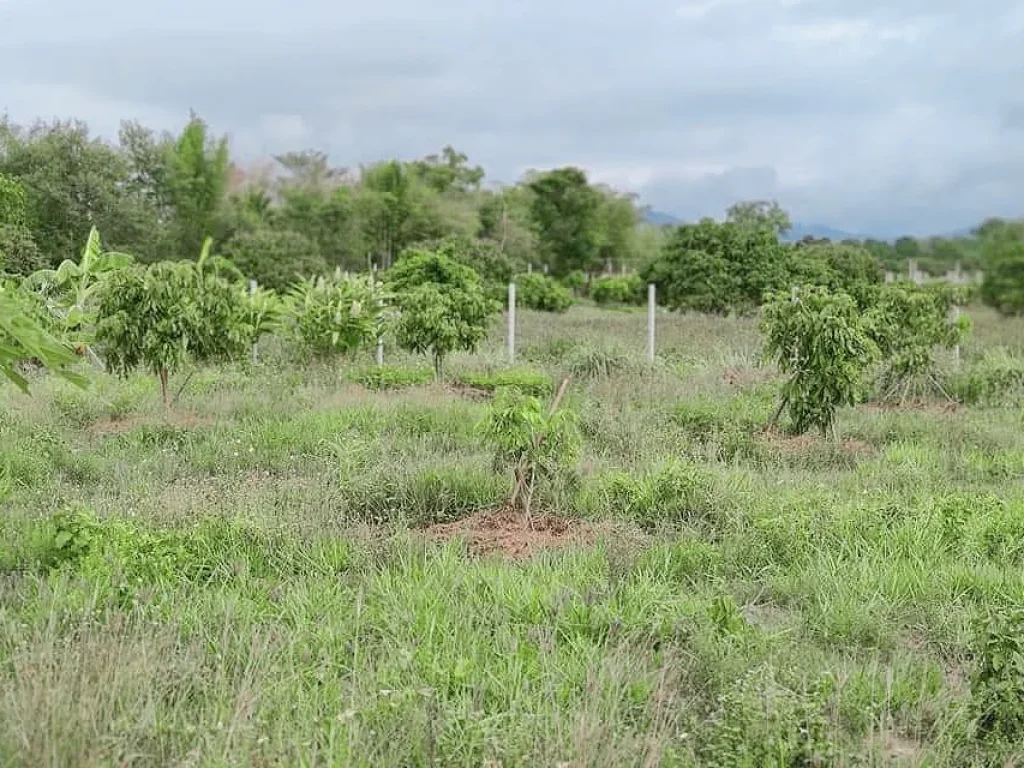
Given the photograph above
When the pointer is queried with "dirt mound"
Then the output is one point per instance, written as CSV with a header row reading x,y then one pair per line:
x,y
504,531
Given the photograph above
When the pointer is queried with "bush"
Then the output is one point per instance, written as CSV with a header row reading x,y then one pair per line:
x,y
595,363
997,682
618,290
276,259
542,293
335,315
997,378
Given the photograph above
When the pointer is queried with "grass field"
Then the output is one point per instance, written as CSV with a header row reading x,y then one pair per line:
x,y
246,579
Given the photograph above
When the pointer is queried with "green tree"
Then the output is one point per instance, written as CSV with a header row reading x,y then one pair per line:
x,y
13,201
449,172
442,305
533,441
1003,253
276,259
385,205
565,211
718,267
161,316
839,267
72,182
823,342
910,323
198,167
760,213
618,221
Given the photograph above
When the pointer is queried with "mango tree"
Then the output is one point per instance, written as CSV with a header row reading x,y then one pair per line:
x,y
824,343
163,315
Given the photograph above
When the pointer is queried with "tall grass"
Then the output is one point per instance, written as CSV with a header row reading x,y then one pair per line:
x,y
243,581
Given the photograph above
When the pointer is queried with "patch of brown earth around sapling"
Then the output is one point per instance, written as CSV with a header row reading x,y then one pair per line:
x,y
506,532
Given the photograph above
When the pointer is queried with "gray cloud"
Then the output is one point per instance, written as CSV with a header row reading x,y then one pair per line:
x,y
875,117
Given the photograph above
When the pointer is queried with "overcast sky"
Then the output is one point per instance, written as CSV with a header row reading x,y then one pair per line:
x,y
874,117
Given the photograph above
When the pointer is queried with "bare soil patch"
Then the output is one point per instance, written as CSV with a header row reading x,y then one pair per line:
x,y
128,423
809,443
504,531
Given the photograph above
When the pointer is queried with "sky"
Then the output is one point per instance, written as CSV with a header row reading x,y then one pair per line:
x,y
882,118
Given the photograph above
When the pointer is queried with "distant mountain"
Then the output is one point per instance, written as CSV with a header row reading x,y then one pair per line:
x,y
660,218
800,231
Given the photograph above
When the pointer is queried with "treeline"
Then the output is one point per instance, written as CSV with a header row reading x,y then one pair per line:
x,y
159,196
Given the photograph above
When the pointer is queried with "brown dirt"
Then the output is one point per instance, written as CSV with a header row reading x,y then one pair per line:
x,y
127,424
503,531
933,406
468,392
807,443
736,376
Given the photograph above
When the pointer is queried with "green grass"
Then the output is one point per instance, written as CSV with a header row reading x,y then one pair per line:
x,y
242,581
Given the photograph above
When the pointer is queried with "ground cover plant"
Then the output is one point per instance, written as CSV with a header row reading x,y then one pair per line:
x,y
256,575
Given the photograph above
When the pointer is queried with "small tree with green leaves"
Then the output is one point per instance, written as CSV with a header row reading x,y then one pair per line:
x,y
824,343
164,315
910,323
335,315
533,441
442,305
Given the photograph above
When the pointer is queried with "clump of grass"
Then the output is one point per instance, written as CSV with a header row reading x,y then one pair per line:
x,y
390,377
527,381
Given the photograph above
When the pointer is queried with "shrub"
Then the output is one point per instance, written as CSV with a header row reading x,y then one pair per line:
x,y
824,343
542,293
335,315
618,290
997,377
592,363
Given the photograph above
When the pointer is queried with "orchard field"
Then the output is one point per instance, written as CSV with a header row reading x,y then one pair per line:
x,y
269,571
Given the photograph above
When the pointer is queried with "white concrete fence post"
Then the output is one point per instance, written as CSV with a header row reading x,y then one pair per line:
x,y
255,345
511,322
651,298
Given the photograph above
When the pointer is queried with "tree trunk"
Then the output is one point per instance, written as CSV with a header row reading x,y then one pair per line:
x,y
163,386
438,365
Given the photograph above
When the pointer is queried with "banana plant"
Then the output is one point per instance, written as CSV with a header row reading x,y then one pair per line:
x,y
23,338
70,290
